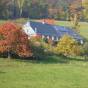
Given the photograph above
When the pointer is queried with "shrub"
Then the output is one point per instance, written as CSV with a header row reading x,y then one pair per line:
x,y
37,49
67,46
40,49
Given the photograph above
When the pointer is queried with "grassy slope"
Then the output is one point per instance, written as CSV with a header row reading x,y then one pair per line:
x,y
48,74
56,72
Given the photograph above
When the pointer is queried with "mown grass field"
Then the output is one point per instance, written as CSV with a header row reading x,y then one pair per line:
x,y
54,72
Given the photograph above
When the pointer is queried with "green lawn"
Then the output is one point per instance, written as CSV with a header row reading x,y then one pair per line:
x,y
51,73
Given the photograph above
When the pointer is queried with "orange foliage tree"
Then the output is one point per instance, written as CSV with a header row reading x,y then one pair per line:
x,y
13,39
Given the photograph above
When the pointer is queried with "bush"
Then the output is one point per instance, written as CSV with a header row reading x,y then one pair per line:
x,y
40,49
67,46
37,49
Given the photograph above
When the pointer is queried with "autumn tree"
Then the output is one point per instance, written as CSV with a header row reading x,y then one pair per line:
x,y
12,39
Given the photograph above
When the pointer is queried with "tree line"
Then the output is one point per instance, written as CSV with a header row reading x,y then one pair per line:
x,y
37,9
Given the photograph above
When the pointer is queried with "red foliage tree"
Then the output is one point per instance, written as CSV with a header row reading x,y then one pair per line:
x,y
13,39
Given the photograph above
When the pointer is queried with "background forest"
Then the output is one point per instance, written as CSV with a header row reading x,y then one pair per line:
x,y
35,9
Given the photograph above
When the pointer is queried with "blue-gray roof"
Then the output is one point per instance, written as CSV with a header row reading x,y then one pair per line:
x,y
65,30
44,29
53,30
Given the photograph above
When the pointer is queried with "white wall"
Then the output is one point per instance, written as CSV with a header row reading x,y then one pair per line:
x,y
28,29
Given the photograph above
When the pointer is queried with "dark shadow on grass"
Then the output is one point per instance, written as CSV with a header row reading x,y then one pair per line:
x,y
78,59
51,59
2,72
43,58
48,58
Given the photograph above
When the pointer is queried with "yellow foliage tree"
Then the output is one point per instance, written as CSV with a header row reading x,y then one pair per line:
x,y
68,46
